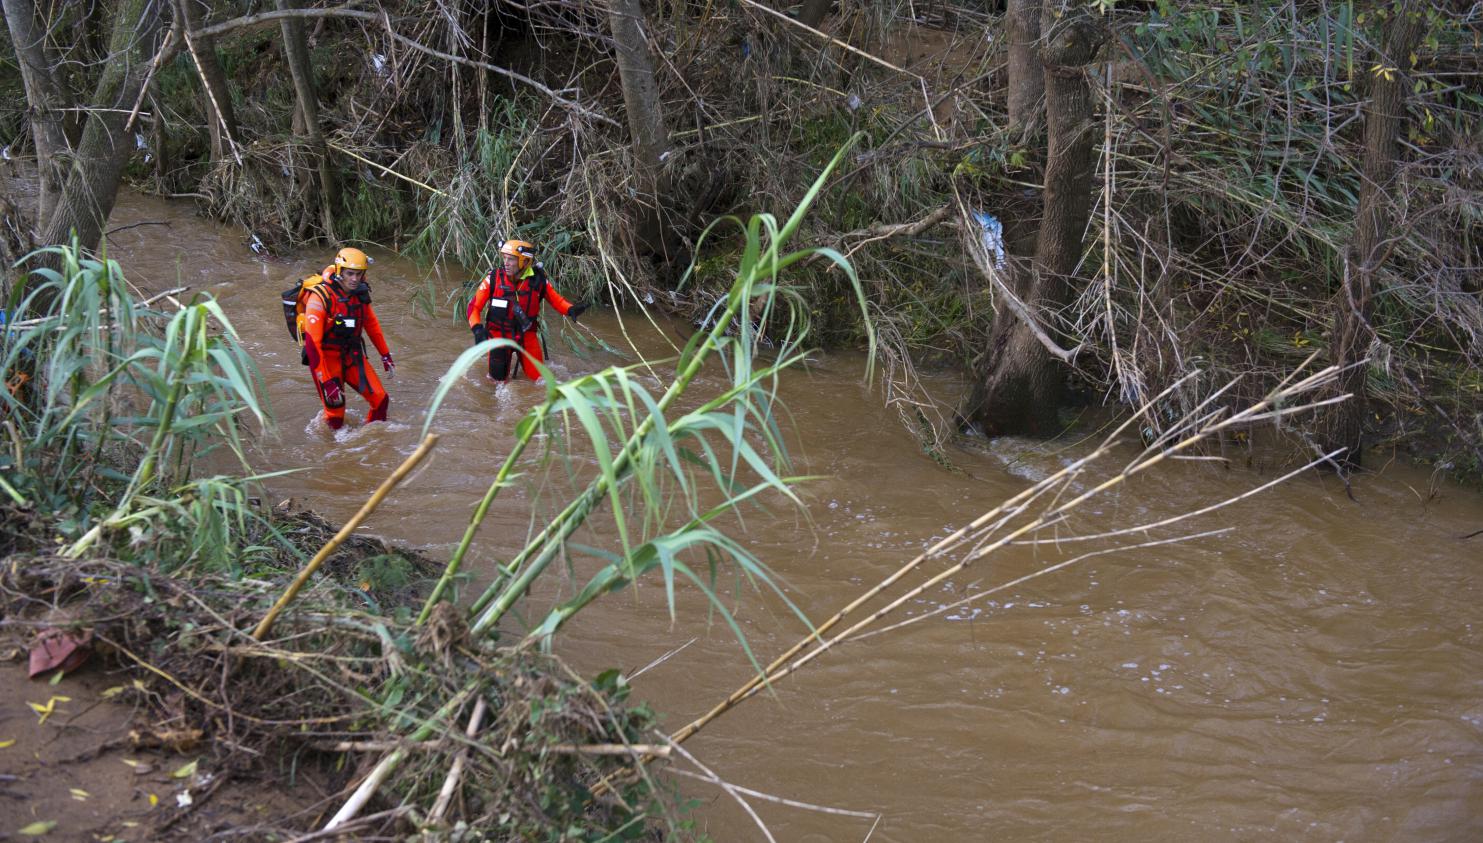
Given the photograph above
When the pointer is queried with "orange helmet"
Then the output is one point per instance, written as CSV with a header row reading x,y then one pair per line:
x,y
352,258
522,251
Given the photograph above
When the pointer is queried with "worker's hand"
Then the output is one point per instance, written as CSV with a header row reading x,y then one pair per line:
x,y
388,364
333,396
481,334
575,311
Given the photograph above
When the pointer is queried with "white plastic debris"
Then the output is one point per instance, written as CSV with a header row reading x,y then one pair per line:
x,y
991,234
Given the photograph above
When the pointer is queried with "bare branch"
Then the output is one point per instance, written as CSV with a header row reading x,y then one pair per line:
x,y
385,22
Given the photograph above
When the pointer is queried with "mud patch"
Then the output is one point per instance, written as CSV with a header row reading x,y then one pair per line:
x,y
83,766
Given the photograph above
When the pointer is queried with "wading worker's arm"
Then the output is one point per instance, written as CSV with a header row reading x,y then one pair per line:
x,y
373,330
476,311
316,319
564,307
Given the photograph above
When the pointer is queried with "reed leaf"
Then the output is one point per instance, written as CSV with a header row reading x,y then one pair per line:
x,y
654,462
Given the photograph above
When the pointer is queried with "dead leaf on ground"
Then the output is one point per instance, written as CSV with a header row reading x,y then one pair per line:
x,y
45,711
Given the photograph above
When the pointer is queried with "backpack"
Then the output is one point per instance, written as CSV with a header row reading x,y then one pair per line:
x,y
295,299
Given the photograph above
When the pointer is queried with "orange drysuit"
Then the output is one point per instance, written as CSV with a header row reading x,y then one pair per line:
x,y
333,328
511,309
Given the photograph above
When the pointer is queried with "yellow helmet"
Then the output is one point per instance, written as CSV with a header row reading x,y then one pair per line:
x,y
351,258
522,251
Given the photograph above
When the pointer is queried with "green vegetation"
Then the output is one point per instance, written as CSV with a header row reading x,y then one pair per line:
x,y
109,404
1228,168
110,383
97,382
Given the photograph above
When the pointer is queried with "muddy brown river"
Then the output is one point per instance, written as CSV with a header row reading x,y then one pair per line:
x,y
1314,674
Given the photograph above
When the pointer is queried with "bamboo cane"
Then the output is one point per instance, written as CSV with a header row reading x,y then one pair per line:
x,y
456,561
776,670
450,785
368,788
324,553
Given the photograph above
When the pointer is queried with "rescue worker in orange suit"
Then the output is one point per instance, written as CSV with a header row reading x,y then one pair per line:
x,y
508,305
335,325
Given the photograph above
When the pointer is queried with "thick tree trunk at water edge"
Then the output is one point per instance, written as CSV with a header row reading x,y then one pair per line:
x,y
1026,76
94,175
296,52
44,99
1023,384
1022,392
221,119
1385,115
646,124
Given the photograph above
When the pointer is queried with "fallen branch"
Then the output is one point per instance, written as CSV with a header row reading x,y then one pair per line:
x,y
731,790
196,803
655,750
324,553
450,785
136,225
166,52
387,170
245,21
885,231
832,40
367,788
780,800
348,828
28,323
221,118
980,531
1017,307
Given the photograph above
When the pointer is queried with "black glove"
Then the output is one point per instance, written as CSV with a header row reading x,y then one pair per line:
x,y
481,334
576,310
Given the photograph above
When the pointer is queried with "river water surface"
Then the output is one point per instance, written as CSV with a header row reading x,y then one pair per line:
x,y
1314,674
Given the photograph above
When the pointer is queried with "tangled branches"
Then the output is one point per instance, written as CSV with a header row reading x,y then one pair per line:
x,y
336,680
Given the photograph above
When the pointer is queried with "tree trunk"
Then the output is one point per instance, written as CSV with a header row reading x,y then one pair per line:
x,y
296,53
95,171
1022,389
15,243
158,145
1385,116
221,119
645,123
1026,76
45,102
